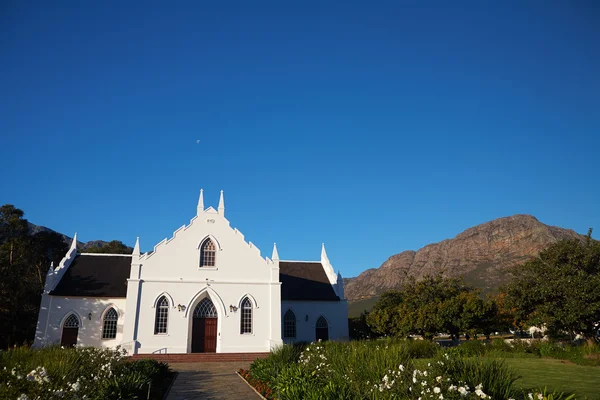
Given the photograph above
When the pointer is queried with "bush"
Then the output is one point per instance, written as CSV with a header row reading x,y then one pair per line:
x,y
57,373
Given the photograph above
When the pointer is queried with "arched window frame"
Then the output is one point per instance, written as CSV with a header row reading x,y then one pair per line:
x,y
161,317
208,256
109,324
68,322
205,310
246,316
289,324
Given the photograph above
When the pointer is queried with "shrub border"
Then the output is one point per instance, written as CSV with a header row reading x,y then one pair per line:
x,y
251,387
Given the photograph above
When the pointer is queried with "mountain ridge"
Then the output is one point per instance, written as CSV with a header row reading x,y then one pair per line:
x,y
481,254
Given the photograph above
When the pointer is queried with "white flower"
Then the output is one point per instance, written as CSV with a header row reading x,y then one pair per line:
x,y
401,367
479,387
451,388
463,391
436,390
530,395
480,393
540,396
439,379
23,397
76,386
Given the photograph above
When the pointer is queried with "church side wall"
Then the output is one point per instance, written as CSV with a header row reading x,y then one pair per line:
x,y
90,330
335,312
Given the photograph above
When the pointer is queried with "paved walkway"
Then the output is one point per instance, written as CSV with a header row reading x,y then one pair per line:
x,y
212,380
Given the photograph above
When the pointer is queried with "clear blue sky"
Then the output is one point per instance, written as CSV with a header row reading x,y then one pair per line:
x,y
372,127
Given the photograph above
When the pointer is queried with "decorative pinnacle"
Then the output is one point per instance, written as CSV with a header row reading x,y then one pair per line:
x,y
323,252
221,208
275,255
200,208
136,248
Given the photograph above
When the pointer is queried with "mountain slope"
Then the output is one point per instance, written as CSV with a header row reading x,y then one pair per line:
x,y
81,246
481,255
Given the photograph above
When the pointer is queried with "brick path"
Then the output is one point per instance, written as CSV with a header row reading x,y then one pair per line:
x,y
214,380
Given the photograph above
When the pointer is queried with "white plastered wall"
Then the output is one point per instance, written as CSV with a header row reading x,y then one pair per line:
x,y
307,313
90,312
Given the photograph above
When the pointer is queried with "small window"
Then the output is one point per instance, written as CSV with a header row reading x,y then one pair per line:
x,y
289,324
109,329
246,322
207,254
162,316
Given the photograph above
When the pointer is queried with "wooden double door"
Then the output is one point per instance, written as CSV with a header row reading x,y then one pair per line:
x,y
204,335
204,327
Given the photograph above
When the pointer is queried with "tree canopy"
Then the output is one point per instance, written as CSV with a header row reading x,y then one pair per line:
x,y
432,305
24,263
559,289
112,247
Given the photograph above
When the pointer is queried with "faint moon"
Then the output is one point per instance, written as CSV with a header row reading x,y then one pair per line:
x,y
198,141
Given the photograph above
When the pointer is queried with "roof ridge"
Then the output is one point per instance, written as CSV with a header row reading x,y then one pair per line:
x,y
104,254
301,261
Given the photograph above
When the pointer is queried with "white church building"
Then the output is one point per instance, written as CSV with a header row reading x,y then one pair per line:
x,y
203,290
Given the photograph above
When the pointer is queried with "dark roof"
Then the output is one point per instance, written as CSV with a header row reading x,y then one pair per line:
x,y
305,281
95,276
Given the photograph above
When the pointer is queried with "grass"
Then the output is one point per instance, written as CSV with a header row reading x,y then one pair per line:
x,y
557,375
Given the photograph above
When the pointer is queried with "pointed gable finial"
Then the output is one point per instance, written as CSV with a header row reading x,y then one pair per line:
x,y
323,253
200,208
136,248
221,208
275,255
51,269
74,242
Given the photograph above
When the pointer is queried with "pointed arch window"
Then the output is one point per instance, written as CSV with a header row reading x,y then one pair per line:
x,y
207,254
246,316
71,322
109,327
205,309
162,316
289,324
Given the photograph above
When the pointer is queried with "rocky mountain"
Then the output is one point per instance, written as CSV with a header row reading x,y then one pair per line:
x,y
82,246
481,255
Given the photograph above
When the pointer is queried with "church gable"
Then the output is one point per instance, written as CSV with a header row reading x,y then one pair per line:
x,y
206,248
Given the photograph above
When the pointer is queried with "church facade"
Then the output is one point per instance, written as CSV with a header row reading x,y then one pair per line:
x,y
206,289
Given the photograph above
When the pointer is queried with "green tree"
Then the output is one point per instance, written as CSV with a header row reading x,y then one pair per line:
x,y
559,289
426,307
112,247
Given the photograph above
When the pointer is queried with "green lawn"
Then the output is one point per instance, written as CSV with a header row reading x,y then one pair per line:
x,y
557,375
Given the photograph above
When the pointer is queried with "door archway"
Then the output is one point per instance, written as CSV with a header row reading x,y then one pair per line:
x,y
204,327
70,331
322,329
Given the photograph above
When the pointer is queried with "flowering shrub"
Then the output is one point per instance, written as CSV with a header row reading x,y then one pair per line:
x,y
379,370
78,373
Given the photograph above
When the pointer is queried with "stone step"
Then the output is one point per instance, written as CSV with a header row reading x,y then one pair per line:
x,y
201,357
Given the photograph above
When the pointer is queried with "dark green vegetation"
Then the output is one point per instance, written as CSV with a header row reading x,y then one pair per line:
x,y
24,263
436,304
112,247
559,289
383,369
356,308
90,373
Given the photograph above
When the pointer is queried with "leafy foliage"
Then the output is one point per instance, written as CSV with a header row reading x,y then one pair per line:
x,y
112,247
560,289
24,263
431,305
56,373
